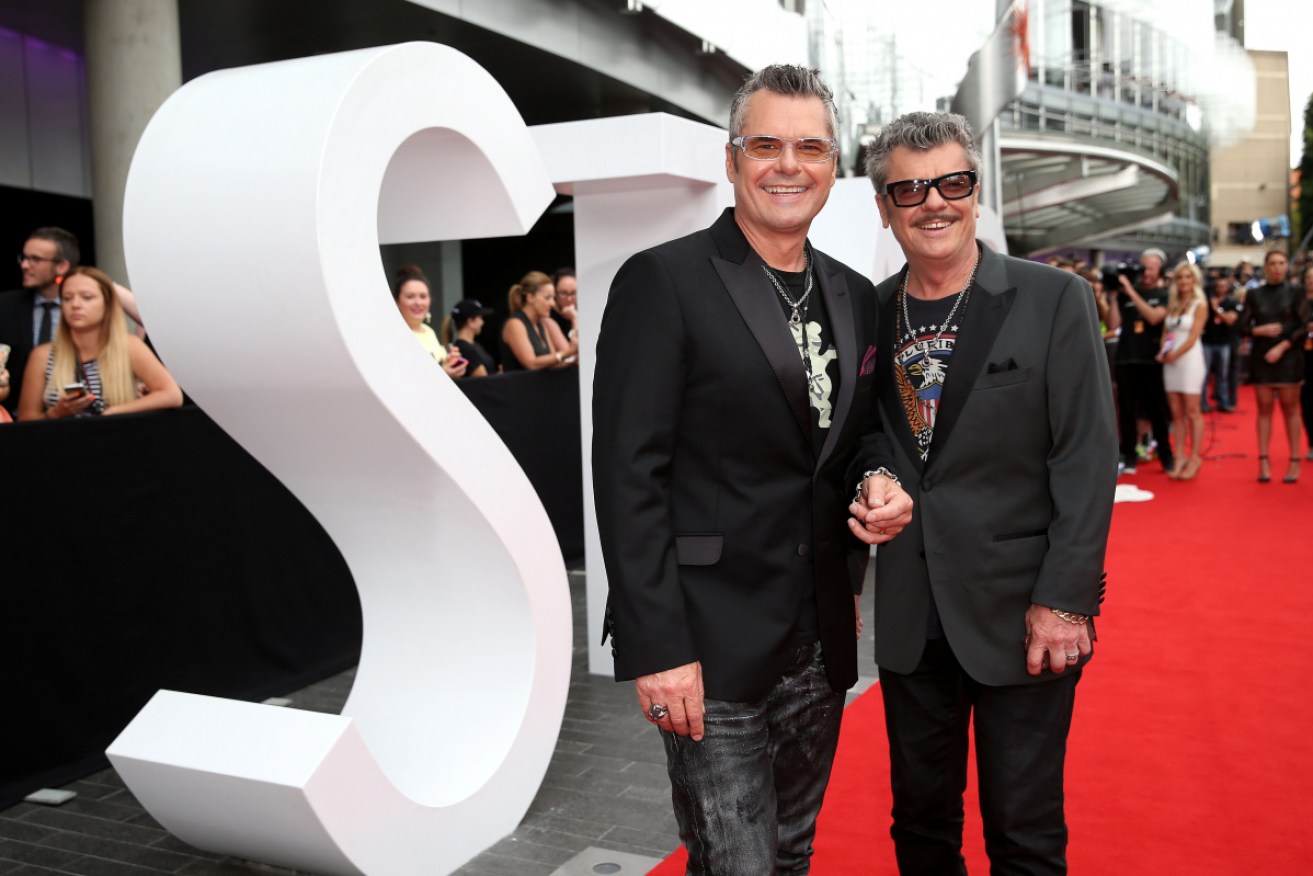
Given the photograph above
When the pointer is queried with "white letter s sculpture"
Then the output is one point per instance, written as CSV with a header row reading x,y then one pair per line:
x,y
254,209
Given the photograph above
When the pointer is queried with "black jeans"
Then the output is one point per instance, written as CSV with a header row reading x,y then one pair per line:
x,y
746,797
1021,744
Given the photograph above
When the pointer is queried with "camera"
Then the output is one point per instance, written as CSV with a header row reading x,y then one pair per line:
x,y
1133,271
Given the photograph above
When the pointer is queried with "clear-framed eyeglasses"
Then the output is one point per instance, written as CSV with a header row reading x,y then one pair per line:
x,y
766,147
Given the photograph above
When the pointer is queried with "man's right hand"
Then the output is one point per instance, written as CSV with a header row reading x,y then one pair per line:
x,y
680,691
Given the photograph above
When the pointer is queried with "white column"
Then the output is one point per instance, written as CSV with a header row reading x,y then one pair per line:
x,y
134,62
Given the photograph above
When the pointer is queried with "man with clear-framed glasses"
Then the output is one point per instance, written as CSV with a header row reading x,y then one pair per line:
x,y
996,407
734,368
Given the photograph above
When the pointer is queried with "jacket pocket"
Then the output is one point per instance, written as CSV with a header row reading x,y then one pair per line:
x,y
1003,378
1014,536
699,550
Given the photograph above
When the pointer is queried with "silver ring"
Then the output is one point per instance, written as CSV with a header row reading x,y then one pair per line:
x,y
657,711
1072,658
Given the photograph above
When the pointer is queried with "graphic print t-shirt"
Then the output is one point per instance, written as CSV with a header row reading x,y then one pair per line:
x,y
921,363
823,358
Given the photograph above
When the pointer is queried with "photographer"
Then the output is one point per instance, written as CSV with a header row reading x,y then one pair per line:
x,y
1220,334
93,366
1141,307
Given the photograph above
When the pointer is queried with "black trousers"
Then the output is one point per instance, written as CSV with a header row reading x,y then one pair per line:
x,y
1021,745
1140,393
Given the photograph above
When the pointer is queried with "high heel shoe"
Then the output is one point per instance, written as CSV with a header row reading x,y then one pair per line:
x,y
1264,469
1292,473
1190,469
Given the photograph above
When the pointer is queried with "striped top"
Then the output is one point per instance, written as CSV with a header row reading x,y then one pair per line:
x,y
92,372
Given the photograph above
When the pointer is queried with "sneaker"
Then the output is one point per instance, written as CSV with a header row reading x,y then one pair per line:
x,y
1125,468
1145,452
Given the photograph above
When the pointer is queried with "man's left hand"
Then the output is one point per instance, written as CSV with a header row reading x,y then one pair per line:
x,y
881,511
1051,641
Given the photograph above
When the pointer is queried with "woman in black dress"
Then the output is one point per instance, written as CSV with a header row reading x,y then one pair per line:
x,y
1276,318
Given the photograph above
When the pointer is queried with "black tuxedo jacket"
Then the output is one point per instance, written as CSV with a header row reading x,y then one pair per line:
x,y
16,331
1014,503
713,506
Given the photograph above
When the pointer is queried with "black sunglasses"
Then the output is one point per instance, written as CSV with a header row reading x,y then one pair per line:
x,y
912,192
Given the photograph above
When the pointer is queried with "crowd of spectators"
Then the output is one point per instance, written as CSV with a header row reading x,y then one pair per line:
x,y
1182,341
66,349
73,344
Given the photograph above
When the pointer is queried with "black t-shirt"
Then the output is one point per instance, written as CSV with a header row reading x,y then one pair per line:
x,y
814,335
1139,341
473,351
1216,332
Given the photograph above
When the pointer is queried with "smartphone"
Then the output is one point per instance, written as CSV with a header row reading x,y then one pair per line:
x,y
457,361
75,390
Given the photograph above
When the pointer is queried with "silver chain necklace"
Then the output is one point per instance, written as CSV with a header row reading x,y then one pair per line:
x,y
795,318
960,300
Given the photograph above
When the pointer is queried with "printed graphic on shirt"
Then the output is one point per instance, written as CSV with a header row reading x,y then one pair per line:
x,y
920,368
820,389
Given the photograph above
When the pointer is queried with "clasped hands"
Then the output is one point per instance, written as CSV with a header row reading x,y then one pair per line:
x,y
881,511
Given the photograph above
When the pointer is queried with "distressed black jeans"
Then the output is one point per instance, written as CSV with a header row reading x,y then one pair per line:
x,y
746,797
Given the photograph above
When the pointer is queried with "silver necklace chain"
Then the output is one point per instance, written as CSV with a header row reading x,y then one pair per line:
x,y
794,318
959,300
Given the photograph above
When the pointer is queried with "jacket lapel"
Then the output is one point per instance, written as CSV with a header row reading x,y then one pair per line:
x,y
740,271
834,289
991,299
886,382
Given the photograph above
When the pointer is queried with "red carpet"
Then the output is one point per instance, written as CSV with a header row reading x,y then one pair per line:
x,y
1192,746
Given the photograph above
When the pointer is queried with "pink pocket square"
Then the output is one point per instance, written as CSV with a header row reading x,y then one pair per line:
x,y
868,363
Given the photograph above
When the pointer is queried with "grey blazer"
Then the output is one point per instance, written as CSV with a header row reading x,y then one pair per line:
x,y
1014,502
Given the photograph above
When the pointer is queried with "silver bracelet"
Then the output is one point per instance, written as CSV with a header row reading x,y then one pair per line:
x,y
879,472
1070,617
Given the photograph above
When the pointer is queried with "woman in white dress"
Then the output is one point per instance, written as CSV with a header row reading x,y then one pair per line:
x,y
1183,367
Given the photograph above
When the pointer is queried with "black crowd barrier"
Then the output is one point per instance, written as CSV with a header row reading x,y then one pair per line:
x,y
151,551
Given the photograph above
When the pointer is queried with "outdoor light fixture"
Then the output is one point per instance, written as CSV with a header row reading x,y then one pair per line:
x,y
632,7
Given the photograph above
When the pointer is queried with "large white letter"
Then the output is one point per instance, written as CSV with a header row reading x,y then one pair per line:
x,y
255,206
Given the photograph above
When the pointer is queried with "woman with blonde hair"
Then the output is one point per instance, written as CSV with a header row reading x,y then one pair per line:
x,y
93,366
1182,356
531,339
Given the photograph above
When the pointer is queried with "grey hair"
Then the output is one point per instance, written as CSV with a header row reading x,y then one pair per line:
x,y
920,132
789,80
1156,253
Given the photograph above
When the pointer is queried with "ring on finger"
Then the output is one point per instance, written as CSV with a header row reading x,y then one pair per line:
x,y
657,711
1072,658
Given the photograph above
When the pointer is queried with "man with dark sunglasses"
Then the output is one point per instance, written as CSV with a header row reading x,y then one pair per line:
x,y
996,413
734,371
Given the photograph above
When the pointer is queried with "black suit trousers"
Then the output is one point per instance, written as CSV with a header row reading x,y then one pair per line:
x,y
1140,394
1021,746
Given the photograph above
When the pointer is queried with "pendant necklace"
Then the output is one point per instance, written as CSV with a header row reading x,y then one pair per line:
x,y
796,318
